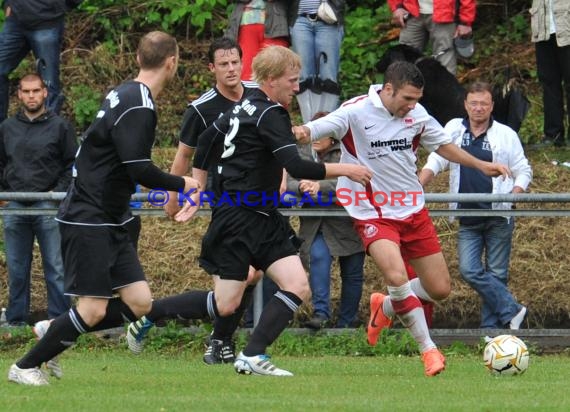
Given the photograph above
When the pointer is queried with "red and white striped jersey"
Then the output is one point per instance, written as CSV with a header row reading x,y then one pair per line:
x,y
371,136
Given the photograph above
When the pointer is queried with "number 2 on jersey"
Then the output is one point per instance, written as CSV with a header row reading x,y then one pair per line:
x,y
229,146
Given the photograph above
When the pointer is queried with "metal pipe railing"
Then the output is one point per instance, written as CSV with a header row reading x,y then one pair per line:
x,y
314,211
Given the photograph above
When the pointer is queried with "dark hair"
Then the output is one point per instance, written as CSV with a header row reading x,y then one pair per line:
x,y
401,73
479,87
30,77
222,43
154,48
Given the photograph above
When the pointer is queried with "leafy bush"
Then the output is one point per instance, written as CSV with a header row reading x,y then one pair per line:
x,y
361,49
118,17
85,102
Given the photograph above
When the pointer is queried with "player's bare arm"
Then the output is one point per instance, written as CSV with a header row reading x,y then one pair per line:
x,y
358,173
190,208
179,167
455,154
425,177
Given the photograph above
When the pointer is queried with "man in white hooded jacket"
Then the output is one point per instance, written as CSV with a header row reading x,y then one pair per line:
x,y
485,138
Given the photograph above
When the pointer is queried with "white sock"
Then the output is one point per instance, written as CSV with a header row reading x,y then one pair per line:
x,y
414,320
387,307
419,290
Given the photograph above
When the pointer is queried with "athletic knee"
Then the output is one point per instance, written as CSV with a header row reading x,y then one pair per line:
x,y
140,307
93,315
227,307
441,291
300,288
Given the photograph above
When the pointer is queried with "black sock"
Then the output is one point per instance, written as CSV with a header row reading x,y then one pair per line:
x,y
196,304
117,314
224,327
61,334
276,315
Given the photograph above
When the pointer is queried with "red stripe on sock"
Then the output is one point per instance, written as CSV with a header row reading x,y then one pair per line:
x,y
406,305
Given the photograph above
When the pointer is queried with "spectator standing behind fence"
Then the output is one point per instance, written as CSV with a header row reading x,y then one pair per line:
x,y
488,140
325,237
35,25
318,43
37,150
256,24
436,21
550,23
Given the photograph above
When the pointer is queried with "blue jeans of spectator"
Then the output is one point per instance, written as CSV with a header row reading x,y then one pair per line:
x,y
19,234
351,272
15,43
493,237
311,38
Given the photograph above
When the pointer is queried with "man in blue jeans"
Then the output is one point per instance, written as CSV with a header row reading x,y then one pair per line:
x,y
318,44
35,25
485,138
326,237
37,150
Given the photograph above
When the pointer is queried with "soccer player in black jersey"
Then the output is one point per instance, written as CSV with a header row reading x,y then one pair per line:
x,y
99,257
246,228
225,62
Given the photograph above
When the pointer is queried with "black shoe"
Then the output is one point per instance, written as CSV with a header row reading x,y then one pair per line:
x,y
220,352
316,322
557,141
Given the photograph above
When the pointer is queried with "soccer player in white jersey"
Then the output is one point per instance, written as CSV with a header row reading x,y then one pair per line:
x,y
382,131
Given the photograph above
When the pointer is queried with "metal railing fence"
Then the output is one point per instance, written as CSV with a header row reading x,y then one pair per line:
x,y
314,211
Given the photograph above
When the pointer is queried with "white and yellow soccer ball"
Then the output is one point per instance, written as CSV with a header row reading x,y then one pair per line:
x,y
506,355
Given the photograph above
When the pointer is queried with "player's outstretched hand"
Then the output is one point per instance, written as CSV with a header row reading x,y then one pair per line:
x,y
171,207
191,206
188,210
358,173
497,169
302,134
190,183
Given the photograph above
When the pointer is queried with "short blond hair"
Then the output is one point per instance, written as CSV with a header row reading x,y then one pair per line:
x,y
272,62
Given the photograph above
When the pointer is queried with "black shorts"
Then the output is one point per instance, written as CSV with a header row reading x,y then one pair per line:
x,y
98,260
239,237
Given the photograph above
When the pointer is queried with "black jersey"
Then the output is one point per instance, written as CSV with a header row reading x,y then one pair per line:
x,y
117,142
257,144
202,112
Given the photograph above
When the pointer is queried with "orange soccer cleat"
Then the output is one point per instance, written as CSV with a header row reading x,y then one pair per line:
x,y
378,320
434,362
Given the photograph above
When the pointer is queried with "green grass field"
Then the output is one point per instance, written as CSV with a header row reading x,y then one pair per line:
x,y
112,380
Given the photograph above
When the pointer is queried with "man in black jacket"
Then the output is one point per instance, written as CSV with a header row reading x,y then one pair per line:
x,y
37,148
35,25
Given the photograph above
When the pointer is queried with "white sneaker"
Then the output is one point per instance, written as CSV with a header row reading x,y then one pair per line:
x,y
136,332
32,376
40,329
258,365
518,319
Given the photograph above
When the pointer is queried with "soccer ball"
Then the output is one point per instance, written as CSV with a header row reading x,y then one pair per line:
x,y
506,355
